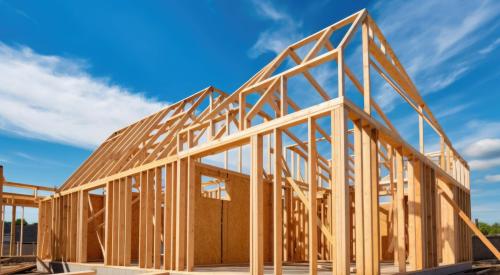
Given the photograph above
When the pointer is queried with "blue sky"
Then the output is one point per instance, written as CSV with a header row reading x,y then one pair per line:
x,y
73,72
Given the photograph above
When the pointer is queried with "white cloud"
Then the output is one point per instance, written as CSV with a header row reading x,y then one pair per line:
x,y
265,9
484,164
492,178
479,141
483,148
436,51
53,98
445,111
490,47
283,32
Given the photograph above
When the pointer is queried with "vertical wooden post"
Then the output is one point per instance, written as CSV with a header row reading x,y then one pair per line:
x,y
359,197
340,72
21,233
366,67
340,190
116,222
157,218
191,205
449,222
277,202
400,195
313,186
128,221
283,96
167,206
12,248
150,196
370,204
256,208
421,130
173,219
82,226
121,221
242,113
142,218
181,215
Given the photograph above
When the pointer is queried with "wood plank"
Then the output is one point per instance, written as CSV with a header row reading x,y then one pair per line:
x,y
340,189
82,226
277,202
127,231
181,215
312,180
359,197
157,218
167,208
108,224
191,215
142,218
256,207
149,253
401,222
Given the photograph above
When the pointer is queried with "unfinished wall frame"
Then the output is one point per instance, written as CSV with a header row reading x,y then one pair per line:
x,y
320,163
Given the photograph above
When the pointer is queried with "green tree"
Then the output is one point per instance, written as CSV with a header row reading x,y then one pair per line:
x,y
487,229
18,222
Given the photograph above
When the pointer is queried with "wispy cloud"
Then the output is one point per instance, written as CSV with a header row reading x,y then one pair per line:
x,y
484,164
483,148
39,160
282,32
490,47
436,51
54,98
492,178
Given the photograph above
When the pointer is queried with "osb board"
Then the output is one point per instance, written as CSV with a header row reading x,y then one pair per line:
x,y
385,233
227,241
208,229
94,252
236,232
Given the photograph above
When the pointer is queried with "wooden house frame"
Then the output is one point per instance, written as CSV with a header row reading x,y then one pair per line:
x,y
289,184
17,197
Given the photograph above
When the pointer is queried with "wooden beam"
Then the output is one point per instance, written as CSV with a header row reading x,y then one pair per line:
x,y
108,224
191,215
340,191
312,180
150,205
157,218
256,207
12,248
370,197
366,68
401,223
181,215
127,231
82,226
277,202
359,197
142,218
167,221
